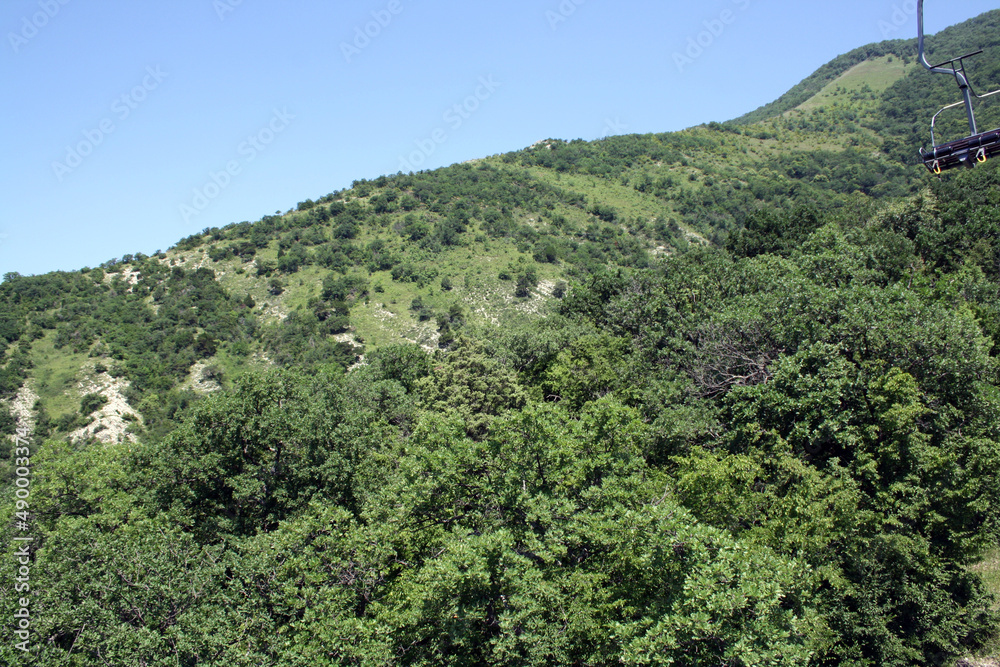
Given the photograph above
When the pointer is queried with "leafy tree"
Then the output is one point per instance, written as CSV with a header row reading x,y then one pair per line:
x,y
586,370
205,345
771,231
527,279
472,385
265,450
91,403
405,364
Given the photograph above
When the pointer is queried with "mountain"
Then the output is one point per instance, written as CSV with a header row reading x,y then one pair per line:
x,y
729,392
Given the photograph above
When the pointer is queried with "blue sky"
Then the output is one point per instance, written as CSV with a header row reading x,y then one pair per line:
x,y
130,124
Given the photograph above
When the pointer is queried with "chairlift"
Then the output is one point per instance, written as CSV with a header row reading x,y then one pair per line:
x,y
973,149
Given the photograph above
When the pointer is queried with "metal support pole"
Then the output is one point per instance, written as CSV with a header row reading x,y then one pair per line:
x,y
959,74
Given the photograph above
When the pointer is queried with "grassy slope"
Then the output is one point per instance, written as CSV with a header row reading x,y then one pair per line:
x,y
56,375
385,317
824,76
876,74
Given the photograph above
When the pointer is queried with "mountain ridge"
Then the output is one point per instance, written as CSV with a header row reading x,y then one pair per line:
x,y
981,29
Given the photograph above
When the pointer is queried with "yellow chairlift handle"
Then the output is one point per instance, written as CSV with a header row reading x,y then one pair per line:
x,y
981,156
937,167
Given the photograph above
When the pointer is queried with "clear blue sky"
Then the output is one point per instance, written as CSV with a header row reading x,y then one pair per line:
x,y
129,124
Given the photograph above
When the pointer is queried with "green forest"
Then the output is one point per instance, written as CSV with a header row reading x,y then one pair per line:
x,y
725,397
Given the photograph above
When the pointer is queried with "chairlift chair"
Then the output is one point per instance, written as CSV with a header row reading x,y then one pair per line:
x,y
975,148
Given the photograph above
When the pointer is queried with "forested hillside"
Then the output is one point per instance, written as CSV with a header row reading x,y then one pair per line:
x,y
726,396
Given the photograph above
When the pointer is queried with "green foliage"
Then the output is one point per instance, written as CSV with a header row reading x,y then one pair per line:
x,y
586,370
405,364
14,372
826,74
246,460
527,279
529,548
115,580
92,403
772,232
471,385
841,392
7,421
